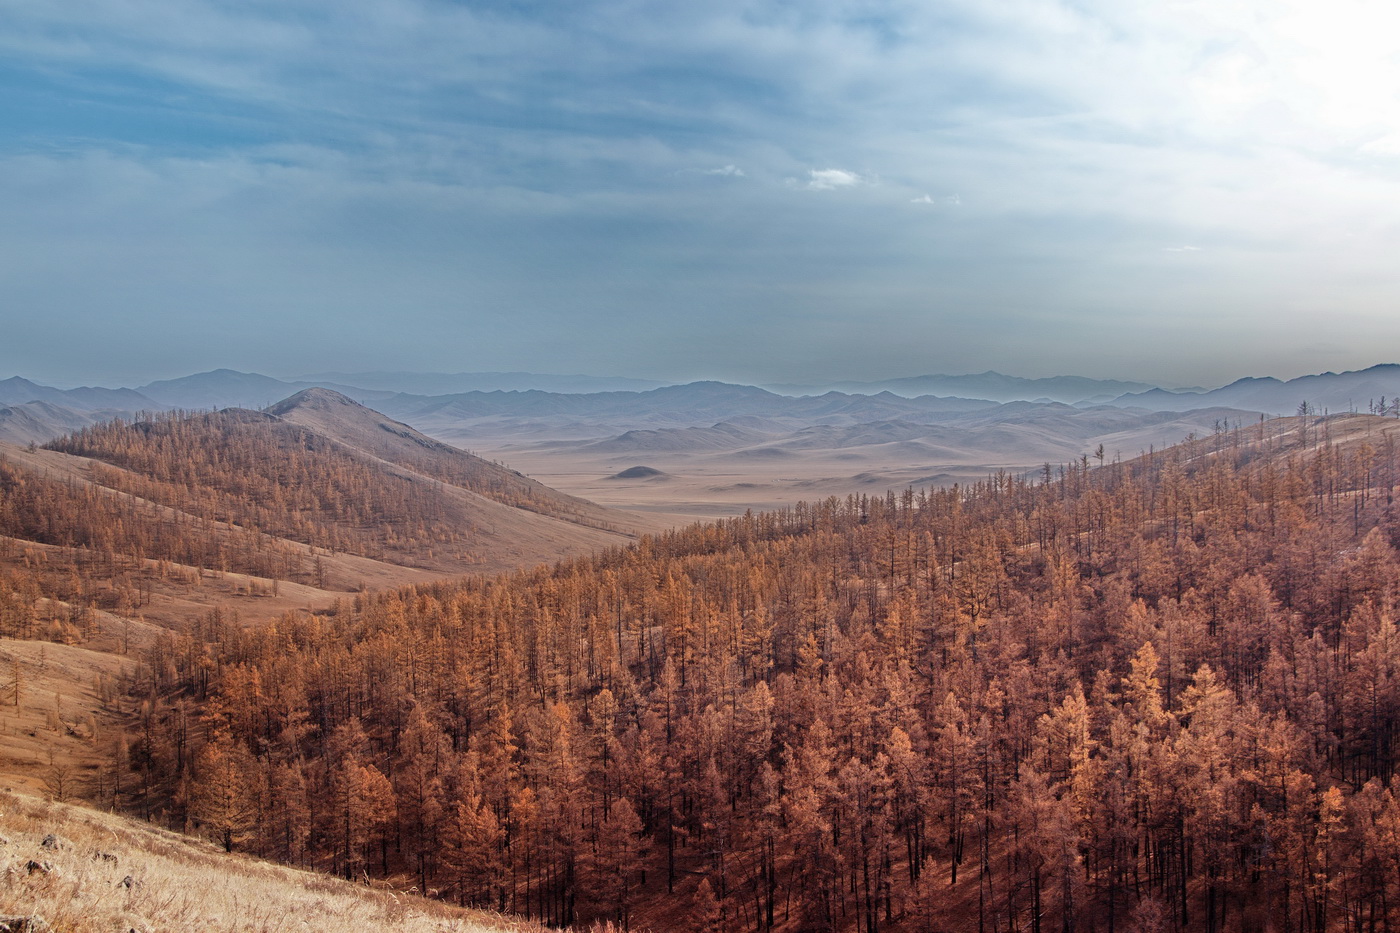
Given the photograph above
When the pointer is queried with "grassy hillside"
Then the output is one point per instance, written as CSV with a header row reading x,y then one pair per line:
x,y
346,480
326,495
373,435
118,536
83,871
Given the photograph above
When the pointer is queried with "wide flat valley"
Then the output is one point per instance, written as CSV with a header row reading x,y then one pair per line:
x,y
693,487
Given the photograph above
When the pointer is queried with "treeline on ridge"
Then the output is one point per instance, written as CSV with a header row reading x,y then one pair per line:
x,y
1162,694
100,543
256,471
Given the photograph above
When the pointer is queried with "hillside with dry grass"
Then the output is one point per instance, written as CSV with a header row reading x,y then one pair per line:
x,y
324,495
371,434
323,471
117,536
73,870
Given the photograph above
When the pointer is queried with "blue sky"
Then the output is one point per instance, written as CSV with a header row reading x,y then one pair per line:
x,y
1184,192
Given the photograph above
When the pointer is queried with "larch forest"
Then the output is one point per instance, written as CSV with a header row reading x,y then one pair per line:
x,y
1157,694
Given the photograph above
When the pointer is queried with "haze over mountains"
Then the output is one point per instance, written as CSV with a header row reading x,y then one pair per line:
x,y
315,476
740,446
988,385
514,392
448,383
18,390
225,388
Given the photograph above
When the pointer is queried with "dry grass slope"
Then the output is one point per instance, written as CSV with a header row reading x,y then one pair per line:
x,y
100,873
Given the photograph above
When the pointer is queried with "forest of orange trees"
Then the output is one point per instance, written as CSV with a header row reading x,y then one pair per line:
x,y
250,469
1160,694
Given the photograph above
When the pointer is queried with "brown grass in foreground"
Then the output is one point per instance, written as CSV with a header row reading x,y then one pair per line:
x,y
100,872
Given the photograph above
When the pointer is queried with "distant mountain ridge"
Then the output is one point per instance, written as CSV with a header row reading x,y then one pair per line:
x,y
17,391
673,405
36,413
990,385
455,383
1058,432
229,388
1335,392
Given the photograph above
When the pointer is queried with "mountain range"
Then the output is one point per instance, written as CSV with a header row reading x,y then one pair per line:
x,y
1335,392
523,407
16,390
990,385
451,383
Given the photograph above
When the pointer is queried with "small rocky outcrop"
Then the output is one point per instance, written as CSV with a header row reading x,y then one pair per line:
x,y
639,472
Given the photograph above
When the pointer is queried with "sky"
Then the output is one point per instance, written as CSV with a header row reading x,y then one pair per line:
x,y
1178,192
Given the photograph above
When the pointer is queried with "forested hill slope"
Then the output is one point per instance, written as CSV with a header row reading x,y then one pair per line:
x,y
323,472
330,414
1160,694
164,519
115,535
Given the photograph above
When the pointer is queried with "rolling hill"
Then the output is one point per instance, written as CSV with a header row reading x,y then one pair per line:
x,y
321,471
38,422
120,534
399,446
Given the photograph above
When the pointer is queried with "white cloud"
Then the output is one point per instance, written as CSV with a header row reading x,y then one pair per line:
x,y
828,179
728,171
1181,249
923,199
1387,145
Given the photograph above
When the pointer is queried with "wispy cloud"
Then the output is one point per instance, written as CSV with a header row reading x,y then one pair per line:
x,y
728,171
1181,249
829,179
